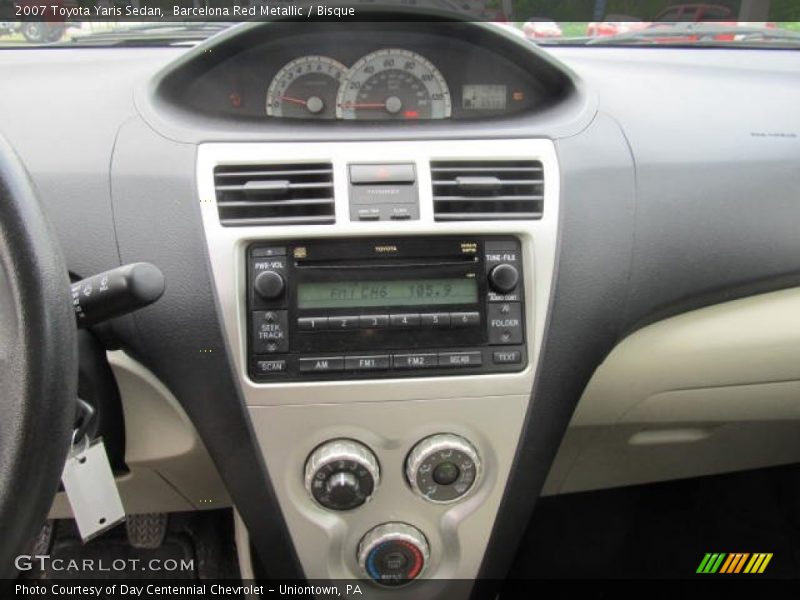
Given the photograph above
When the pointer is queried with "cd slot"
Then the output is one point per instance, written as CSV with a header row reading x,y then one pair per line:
x,y
388,263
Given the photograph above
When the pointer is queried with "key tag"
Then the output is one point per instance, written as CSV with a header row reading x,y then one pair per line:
x,y
90,487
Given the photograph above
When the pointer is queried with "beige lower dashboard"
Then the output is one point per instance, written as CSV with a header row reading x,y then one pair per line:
x,y
711,391
169,467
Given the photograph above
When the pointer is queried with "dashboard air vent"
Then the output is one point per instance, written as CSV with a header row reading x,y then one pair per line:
x,y
275,194
487,190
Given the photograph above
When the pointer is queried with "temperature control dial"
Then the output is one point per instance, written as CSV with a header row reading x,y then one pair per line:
x,y
341,474
443,468
393,554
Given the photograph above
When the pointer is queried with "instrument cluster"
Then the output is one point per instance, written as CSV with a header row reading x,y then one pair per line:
x,y
391,83
366,75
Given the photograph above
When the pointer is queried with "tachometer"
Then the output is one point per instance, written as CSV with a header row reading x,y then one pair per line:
x,y
306,88
393,84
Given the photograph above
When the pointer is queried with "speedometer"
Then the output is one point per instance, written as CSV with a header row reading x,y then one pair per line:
x,y
306,88
393,84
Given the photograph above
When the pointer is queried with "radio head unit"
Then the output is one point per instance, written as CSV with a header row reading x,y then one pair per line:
x,y
394,307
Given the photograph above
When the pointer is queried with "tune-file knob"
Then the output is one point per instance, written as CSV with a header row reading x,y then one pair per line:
x,y
504,278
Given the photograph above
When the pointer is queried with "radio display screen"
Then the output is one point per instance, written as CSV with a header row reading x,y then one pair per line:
x,y
399,292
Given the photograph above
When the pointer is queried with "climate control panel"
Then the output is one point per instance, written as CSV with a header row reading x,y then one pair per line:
x,y
342,474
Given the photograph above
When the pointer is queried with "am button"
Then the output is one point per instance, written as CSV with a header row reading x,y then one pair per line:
x,y
324,364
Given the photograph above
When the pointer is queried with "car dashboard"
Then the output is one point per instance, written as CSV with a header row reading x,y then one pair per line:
x,y
396,253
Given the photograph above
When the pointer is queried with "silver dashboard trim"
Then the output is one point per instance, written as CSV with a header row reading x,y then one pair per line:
x,y
390,416
226,246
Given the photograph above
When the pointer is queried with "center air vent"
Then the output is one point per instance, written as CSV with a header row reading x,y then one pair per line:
x,y
277,194
487,190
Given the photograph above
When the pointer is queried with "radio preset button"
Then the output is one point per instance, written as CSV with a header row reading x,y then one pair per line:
x,y
373,321
342,322
435,320
460,359
415,361
465,319
312,323
325,364
507,357
366,363
402,321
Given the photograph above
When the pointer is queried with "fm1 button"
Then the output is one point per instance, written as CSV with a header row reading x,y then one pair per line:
x,y
366,363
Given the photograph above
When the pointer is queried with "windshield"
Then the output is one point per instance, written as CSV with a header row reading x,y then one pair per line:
x,y
723,23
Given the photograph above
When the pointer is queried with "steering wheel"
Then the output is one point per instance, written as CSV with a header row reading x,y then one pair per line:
x,y
38,363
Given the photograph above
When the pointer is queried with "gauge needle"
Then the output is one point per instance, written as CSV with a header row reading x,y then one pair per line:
x,y
294,100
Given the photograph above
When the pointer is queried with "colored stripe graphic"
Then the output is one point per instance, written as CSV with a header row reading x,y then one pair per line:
x,y
737,563
765,563
711,562
727,564
733,563
703,563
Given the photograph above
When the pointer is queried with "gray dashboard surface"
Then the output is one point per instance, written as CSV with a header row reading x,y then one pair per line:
x,y
715,136
685,191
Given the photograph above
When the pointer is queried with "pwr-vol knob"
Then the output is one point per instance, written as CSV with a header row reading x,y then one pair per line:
x,y
341,474
393,554
269,285
443,468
